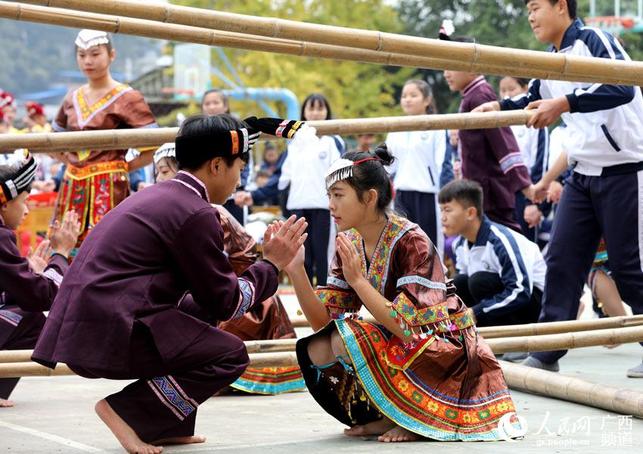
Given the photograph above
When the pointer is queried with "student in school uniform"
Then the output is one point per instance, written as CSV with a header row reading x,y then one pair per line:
x,y
417,169
605,145
501,273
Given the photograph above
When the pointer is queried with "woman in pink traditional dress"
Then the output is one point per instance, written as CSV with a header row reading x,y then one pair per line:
x,y
421,371
97,180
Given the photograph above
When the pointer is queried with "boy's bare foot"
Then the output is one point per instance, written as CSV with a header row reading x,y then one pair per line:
x,y
6,403
372,428
180,440
124,433
398,434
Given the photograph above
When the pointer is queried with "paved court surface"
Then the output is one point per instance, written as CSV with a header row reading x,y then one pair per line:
x,y
55,415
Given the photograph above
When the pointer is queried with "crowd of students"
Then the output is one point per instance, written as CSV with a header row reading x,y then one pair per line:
x,y
165,283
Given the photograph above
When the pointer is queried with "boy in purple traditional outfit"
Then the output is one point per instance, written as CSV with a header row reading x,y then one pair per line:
x,y
27,285
123,312
489,156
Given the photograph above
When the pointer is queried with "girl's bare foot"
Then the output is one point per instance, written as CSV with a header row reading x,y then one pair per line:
x,y
123,432
398,434
6,403
372,428
180,440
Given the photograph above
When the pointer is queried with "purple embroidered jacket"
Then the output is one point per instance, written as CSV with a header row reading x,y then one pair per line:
x,y
491,156
21,290
137,265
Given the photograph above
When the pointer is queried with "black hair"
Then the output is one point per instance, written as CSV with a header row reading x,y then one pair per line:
x,y
372,175
523,82
170,161
467,193
203,126
426,91
224,97
9,170
571,7
316,98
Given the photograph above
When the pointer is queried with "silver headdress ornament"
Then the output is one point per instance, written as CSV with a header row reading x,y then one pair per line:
x,y
90,38
167,150
342,169
446,29
19,180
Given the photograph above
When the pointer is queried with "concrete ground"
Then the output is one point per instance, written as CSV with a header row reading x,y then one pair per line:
x,y
55,415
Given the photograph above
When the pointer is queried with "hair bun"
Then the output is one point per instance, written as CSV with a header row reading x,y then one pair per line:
x,y
383,154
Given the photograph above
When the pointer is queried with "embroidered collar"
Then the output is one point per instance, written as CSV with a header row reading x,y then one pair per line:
x,y
473,84
570,36
190,181
378,269
86,112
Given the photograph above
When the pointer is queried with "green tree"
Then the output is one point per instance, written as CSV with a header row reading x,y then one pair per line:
x,y
354,89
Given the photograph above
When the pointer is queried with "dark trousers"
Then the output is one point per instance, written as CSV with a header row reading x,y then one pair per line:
x,y
530,232
23,336
316,260
421,208
610,205
235,210
163,402
482,285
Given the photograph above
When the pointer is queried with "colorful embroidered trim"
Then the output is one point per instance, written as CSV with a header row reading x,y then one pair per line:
x,y
10,317
100,168
338,302
403,398
511,161
421,281
246,298
335,282
234,136
270,380
403,306
54,275
172,396
85,112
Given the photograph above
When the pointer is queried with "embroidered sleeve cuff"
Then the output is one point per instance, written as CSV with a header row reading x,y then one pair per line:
x,y
338,302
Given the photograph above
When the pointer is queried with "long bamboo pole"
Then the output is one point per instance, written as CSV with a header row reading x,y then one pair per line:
x,y
31,369
545,342
153,29
133,138
532,329
556,66
343,51
549,384
535,329
564,341
518,377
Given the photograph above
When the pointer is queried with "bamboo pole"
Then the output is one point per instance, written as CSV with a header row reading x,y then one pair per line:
x,y
531,329
332,42
564,341
518,377
133,138
545,342
535,329
472,53
571,389
32,369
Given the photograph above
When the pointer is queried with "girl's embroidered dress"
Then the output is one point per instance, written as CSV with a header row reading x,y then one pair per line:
x,y
97,180
265,320
445,385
